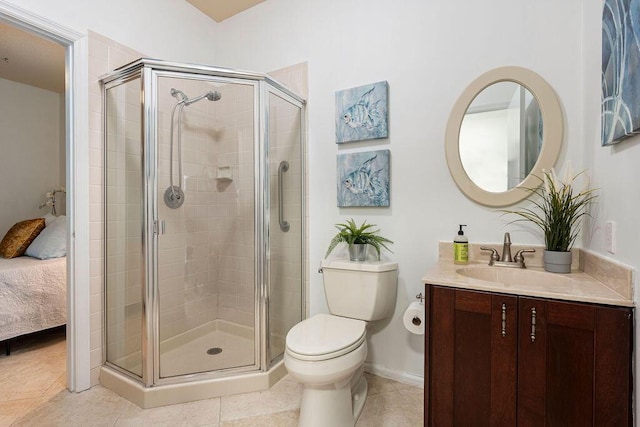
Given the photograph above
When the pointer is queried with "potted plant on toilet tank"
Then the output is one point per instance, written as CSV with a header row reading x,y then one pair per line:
x,y
558,210
358,238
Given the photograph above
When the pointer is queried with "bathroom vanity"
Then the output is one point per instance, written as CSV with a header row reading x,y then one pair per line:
x,y
526,347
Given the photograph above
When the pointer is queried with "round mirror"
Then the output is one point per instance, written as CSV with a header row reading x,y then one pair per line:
x,y
504,130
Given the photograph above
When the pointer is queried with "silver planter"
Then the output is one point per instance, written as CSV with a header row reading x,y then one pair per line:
x,y
557,262
358,251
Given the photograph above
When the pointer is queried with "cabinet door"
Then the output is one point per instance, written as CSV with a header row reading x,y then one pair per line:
x,y
573,364
471,352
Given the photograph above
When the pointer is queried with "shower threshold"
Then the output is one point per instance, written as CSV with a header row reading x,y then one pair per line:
x,y
171,394
186,354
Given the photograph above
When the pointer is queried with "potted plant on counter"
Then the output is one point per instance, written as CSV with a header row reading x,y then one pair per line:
x,y
358,239
558,210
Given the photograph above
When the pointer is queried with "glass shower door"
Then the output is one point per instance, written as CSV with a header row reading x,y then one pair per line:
x,y
206,254
286,222
124,252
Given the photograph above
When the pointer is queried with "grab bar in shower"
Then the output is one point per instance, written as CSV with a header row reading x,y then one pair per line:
x,y
284,225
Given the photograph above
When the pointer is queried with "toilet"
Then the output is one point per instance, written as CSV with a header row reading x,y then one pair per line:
x,y
326,352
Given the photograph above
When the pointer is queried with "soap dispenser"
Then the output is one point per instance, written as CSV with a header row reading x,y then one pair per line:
x,y
461,247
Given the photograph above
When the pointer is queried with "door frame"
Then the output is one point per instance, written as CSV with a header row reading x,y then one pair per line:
x,y
77,175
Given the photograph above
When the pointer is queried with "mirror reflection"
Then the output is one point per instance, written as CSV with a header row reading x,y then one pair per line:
x,y
501,136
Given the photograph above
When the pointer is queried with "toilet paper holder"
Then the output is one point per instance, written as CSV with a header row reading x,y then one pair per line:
x,y
416,320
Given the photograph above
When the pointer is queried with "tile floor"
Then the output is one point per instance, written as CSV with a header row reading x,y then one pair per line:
x,y
32,393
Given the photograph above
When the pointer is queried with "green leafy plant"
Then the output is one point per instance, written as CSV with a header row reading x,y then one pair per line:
x,y
350,234
558,209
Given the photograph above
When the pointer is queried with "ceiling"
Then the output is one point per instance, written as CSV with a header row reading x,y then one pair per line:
x,y
30,59
219,10
35,61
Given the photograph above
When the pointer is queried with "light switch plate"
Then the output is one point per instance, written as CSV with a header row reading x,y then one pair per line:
x,y
610,236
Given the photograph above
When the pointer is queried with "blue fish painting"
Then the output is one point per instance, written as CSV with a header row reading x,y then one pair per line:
x,y
363,179
361,113
620,70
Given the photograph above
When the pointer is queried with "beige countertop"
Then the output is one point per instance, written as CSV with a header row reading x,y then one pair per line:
x,y
532,281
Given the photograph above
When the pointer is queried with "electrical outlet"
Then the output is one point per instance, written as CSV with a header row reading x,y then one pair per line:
x,y
610,236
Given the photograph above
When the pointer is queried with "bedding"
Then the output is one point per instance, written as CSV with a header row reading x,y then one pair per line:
x,y
52,241
20,236
33,295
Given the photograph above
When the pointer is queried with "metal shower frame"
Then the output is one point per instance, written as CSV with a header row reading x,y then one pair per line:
x,y
148,70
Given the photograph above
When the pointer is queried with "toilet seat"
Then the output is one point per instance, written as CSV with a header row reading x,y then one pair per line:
x,y
324,337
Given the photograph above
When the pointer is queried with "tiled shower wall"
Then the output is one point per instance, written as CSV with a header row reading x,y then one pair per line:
x,y
206,259
226,248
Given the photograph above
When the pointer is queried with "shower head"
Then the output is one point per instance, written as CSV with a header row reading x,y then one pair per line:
x,y
214,95
211,96
175,93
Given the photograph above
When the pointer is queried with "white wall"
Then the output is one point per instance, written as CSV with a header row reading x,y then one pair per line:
x,y
31,140
428,52
614,169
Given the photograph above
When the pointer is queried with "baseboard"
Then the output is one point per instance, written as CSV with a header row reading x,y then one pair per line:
x,y
403,377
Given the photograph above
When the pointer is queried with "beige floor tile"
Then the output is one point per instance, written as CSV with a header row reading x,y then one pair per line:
x,y
200,413
283,396
279,419
390,409
378,384
414,394
389,403
94,407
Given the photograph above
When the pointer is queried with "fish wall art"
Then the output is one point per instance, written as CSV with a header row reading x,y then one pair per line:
x,y
361,113
363,178
620,70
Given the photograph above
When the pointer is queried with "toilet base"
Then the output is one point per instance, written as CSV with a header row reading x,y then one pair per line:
x,y
328,406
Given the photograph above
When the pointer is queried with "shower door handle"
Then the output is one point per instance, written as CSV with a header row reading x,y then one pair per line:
x,y
284,225
159,227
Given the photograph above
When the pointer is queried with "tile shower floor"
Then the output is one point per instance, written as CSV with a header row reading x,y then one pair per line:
x,y
32,393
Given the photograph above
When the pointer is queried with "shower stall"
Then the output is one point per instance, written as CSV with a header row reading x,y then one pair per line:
x,y
204,230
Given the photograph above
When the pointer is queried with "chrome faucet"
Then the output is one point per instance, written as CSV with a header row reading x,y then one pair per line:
x,y
506,260
506,249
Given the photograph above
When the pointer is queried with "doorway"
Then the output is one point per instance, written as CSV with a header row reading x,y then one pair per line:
x,y
76,173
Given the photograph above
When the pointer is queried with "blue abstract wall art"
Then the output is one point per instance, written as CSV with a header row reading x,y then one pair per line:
x,y
363,178
620,70
361,113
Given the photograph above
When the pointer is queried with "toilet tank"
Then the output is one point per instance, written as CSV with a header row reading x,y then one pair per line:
x,y
360,290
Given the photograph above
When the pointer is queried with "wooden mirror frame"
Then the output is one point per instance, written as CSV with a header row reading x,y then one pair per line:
x,y
552,135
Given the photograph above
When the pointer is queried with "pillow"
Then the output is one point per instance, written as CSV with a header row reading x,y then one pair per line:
x,y
48,219
51,242
20,236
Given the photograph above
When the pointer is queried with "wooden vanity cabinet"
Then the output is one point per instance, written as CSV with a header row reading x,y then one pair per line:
x,y
503,360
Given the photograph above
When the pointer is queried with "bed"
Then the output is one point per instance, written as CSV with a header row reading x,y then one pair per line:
x,y
33,287
33,295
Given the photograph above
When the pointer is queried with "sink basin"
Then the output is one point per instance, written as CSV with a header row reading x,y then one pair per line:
x,y
512,276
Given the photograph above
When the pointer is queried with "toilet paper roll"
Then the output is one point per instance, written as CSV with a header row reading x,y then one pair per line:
x,y
413,318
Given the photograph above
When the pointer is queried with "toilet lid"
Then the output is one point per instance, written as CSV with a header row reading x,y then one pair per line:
x,y
324,336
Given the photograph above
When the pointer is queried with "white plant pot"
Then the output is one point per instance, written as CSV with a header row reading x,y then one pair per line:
x,y
557,262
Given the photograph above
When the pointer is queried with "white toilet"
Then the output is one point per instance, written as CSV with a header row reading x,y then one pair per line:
x,y
326,352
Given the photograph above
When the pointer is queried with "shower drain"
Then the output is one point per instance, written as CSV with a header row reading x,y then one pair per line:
x,y
214,350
